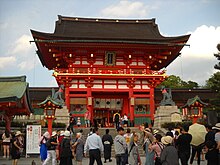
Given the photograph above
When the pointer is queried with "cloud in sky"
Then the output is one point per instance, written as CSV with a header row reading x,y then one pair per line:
x,y
22,45
19,56
197,61
203,42
6,62
126,9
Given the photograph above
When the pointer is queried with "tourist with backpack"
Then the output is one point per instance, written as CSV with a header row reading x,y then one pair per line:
x,y
148,141
116,119
51,144
121,150
157,147
133,153
43,147
183,145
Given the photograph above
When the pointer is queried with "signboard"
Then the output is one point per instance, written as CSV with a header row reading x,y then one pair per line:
x,y
33,134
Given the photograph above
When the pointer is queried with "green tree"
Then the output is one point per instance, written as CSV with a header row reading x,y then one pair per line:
x,y
176,82
214,83
172,82
191,84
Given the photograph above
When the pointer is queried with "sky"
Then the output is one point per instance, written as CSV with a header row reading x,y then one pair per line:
x,y
200,18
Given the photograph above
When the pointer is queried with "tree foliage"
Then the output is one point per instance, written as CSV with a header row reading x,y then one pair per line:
x,y
214,83
176,82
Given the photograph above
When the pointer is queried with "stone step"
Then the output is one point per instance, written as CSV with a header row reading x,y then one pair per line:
x,y
113,133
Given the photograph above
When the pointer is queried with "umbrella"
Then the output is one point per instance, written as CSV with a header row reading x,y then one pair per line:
x,y
198,133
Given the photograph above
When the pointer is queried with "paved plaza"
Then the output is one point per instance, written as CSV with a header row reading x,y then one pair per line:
x,y
28,161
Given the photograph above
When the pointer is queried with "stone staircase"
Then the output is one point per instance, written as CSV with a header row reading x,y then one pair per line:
x,y
113,133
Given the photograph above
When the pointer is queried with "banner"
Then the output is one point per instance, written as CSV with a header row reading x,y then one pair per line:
x,y
33,134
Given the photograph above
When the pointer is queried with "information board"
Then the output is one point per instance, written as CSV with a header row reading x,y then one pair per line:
x,y
33,134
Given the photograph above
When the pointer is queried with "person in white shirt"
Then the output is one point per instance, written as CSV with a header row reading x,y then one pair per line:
x,y
95,147
125,120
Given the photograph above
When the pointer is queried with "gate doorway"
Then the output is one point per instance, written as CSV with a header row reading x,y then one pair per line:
x,y
104,110
103,117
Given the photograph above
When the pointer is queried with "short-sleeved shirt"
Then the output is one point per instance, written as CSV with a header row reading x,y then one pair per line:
x,y
217,137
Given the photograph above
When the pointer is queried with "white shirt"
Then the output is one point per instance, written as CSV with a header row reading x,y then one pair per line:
x,y
125,118
94,141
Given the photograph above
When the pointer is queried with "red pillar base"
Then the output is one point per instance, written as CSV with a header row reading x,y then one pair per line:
x,y
49,125
8,119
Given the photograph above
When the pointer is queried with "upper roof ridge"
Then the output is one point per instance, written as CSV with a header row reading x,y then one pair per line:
x,y
110,20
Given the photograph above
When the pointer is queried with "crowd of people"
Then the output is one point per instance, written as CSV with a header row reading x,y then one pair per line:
x,y
181,146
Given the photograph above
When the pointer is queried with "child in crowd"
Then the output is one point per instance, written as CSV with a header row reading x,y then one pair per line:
x,y
78,122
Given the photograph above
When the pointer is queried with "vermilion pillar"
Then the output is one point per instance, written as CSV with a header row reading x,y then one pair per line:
x,y
67,97
131,106
152,106
8,119
49,125
89,103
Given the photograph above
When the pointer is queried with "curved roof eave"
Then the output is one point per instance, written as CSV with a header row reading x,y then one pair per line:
x,y
49,37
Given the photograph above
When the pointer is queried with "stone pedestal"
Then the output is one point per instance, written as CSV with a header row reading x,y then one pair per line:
x,y
62,115
166,114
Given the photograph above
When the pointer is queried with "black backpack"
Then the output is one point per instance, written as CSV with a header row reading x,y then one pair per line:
x,y
117,117
48,143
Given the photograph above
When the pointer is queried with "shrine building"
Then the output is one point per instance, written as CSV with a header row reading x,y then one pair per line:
x,y
108,65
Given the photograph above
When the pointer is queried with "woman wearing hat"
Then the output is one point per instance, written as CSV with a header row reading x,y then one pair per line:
x,y
17,147
66,153
43,147
149,139
169,155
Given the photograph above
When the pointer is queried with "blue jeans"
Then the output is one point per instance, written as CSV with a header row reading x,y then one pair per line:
x,y
121,159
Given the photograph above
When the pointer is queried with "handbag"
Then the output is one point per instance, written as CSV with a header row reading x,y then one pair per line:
x,y
157,159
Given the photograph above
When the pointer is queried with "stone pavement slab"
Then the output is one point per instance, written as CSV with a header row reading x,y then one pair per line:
x,y
28,161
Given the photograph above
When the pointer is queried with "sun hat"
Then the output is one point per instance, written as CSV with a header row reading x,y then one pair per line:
x,y
61,133
167,140
18,133
148,130
217,126
54,133
67,133
46,134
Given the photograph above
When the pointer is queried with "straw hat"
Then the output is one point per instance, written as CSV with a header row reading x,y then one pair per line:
x,y
67,133
217,126
18,133
61,133
167,140
54,133
46,134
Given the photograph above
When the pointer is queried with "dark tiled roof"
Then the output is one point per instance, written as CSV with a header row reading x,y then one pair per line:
x,y
107,29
